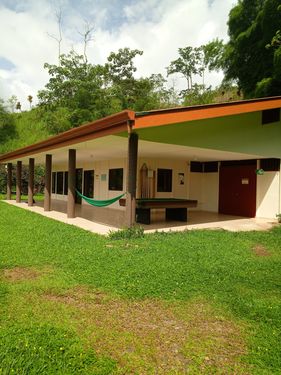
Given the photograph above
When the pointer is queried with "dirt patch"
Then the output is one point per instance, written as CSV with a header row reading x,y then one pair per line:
x,y
261,251
22,273
152,336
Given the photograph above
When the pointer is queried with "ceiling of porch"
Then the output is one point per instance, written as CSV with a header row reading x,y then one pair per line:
x,y
115,147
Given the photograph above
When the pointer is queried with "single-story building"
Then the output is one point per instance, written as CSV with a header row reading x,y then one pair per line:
x,y
221,158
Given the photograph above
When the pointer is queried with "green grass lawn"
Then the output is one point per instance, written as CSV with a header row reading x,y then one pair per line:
x,y
196,302
24,197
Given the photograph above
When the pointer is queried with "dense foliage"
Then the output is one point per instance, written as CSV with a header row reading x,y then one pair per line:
x,y
252,25
78,91
7,125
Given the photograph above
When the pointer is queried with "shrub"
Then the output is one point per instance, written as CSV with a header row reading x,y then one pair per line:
x,y
136,231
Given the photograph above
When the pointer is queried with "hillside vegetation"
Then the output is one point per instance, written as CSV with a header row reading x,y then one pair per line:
x,y
28,128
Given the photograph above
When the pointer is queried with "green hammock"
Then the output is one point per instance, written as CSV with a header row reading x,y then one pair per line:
x,y
102,203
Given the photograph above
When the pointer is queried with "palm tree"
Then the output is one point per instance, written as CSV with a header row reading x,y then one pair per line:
x,y
29,98
18,106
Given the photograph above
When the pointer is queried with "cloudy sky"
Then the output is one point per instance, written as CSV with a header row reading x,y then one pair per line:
x,y
157,27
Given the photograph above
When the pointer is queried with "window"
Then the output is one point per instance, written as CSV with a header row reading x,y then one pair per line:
x,y
270,115
164,180
65,186
211,166
238,163
270,164
115,181
196,166
88,189
59,182
54,178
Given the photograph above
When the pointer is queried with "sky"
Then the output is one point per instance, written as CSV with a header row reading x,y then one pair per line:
x,y
157,27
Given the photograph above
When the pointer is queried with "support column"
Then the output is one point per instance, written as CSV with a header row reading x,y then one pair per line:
x,y
18,181
132,178
9,181
71,183
30,182
48,185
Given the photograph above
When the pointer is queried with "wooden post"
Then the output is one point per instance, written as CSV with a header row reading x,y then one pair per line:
x,y
9,181
18,181
71,183
132,178
48,185
30,182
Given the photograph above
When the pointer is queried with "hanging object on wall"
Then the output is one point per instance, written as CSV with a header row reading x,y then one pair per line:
x,y
181,178
259,172
151,178
144,182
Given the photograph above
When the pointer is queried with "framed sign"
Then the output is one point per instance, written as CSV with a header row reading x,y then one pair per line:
x,y
181,178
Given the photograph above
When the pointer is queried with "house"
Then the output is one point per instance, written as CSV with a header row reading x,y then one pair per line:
x,y
225,156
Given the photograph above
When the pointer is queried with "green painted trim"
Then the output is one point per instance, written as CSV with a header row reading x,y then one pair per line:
x,y
243,133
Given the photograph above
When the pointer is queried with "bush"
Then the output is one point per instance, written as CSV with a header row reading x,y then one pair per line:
x,y
136,231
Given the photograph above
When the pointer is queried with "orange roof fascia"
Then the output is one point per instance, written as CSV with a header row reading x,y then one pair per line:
x,y
106,126
185,114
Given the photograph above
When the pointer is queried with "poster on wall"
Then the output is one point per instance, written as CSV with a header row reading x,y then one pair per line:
x,y
181,178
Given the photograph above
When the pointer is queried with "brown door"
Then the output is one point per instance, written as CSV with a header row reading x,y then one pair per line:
x,y
237,190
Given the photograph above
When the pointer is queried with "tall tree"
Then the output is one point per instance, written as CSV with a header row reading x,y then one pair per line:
x,y
58,37
18,106
30,98
120,69
87,35
252,24
76,86
187,64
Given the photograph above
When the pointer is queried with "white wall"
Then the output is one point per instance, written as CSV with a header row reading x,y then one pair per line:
x,y
178,166
268,191
205,188
100,187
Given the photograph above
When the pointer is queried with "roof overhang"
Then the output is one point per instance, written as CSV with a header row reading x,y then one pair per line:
x,y
106,126
147,125
203,112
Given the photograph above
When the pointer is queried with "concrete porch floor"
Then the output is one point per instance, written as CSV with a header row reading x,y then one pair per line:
x,y
88,219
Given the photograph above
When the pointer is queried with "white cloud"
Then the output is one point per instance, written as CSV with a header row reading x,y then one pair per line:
x,y
158,28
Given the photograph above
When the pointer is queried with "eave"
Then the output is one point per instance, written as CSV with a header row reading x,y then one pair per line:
x,y
106,126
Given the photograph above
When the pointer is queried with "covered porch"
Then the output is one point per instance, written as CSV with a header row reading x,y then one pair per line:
x,y
205,154
198,220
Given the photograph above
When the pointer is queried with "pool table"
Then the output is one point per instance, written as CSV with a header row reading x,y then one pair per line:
x,y
175,209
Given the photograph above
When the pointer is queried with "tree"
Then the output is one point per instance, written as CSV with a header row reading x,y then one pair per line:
x,y
12,102
79,87
73,84
252,25
188,64
58,38
120,78
87,36
18,106
213,53
79,92
30,98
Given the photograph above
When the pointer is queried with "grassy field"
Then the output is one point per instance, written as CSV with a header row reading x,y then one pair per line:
x,y
37,197
196,302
